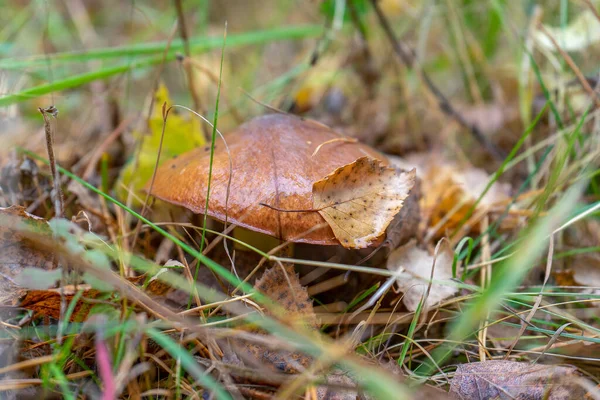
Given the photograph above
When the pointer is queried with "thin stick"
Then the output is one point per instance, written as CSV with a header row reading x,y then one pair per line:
x,y
580,77
58,206
188,68
283,210
340,139
58,194
445,106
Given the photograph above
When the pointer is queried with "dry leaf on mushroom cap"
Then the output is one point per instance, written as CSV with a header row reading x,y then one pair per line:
x,y
360,199
414,279
273,163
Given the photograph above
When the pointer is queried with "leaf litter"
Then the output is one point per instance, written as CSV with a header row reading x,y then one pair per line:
x,y
415,266
503,379
281,283
367,111
29,279
360,199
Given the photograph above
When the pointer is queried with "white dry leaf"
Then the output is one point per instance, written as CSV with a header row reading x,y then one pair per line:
x,y
578,35
415,267
474,181
586,269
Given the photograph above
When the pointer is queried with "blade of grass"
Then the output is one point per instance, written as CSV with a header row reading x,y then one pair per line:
x,y
188,362
501,169
104,73
197,45
224,273
508,275
212,155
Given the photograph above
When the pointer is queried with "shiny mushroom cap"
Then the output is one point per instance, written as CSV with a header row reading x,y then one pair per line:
x,y
273,163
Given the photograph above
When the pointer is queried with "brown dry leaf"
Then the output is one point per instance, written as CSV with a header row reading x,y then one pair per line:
x,y
47,302
285,289
26,275
18,252
515,380
449,191
360,199
416,265
585,267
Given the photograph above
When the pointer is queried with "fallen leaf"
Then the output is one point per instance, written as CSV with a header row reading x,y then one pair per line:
x,y
360,199
181,134
449,191
515,380
284,288
48,302
18,252
416,265
27,279
582,32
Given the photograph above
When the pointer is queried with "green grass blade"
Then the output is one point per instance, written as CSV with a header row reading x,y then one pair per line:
x,y
189,363
104,73
508,275
197,45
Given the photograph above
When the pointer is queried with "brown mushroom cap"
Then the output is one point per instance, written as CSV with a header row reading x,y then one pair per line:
x,y
272,164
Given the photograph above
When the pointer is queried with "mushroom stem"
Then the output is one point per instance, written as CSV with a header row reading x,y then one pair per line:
x,y
258,240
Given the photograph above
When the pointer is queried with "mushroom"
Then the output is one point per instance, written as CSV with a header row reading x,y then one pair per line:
x,y
274,163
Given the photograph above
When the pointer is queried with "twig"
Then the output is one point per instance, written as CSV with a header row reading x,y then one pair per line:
x,y
592,9
582,79
407,58
58,194
188,68
265,105
58,207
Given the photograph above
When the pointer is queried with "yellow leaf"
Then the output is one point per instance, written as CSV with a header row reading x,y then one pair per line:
x,y
181,135
360,199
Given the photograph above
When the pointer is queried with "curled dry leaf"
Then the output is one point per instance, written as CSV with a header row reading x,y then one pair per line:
x,y
449,192
284,288
360,199
414,279
516,380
